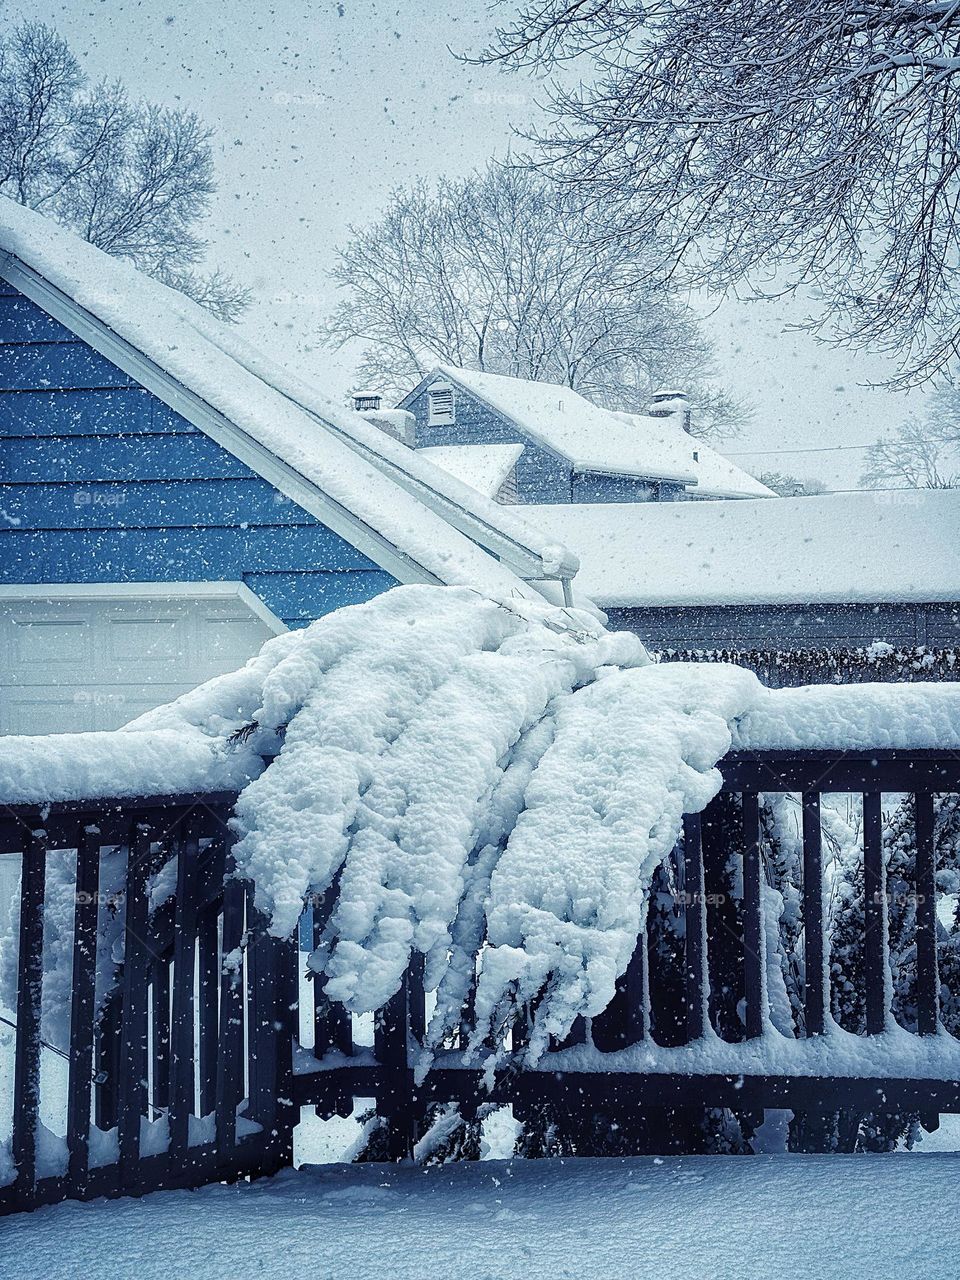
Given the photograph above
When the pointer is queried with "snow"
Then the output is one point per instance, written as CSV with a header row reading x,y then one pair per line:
x,y
631,754
397,423
389,759
474,776
596,439
860,717
482,466
716,475
863,547
77,766
379,481
672,1218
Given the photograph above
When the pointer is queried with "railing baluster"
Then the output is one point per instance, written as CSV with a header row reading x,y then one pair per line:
x,y
392,1024
286,1021
416,1002
874,915
133,1026
261,959
26,1077
622,1023
208,945
815,977
273,992
230,1055
182,1030
160,1018
695,930
928,981
107,1049
332,1024
753,932
80,1085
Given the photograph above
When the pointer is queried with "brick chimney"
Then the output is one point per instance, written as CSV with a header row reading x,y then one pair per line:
x,y
366,400
398,423
665,403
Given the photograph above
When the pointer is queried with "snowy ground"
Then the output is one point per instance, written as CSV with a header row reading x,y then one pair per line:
x,y
752,1218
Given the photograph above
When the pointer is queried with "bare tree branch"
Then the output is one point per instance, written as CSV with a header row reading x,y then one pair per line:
x,y
499,271
130,177
800,143
924,453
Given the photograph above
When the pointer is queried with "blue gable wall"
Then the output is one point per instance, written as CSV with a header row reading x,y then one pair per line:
x,y
542,475
101,482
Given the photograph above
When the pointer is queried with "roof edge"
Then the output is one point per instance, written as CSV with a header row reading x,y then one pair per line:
x,y
121,352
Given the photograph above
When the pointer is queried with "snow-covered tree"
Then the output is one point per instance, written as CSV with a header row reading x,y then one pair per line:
x,y
924,453
802,141
500,271
788,486
130,177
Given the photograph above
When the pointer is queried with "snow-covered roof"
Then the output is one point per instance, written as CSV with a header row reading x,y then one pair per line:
x,y
716,476
408,515
482,466
595,439
865,547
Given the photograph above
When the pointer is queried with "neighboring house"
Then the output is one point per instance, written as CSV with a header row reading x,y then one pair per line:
x,y
169,498
768,582
536,442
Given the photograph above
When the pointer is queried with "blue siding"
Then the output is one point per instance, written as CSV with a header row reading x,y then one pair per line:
x,y
170,555
148,505
40,365
542,475
129,457
101,482
23,321
95,411
298,598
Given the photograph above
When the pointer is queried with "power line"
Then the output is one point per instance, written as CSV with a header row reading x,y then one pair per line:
x,y
827,448
773,453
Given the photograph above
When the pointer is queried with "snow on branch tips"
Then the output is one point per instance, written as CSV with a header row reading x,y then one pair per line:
x,y
406,723
469,778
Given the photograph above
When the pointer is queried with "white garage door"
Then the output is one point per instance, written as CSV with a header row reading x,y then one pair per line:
x,y
76,662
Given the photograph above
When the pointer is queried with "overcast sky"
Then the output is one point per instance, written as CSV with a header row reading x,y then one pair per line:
x,y
321,108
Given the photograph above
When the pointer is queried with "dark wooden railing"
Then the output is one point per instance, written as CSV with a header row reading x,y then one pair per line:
x,y
181,1071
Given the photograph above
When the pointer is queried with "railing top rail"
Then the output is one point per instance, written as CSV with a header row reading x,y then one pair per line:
x,y
820,769
63,820
886,769
120,804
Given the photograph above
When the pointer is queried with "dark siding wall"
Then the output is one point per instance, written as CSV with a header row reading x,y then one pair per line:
x,y
101,482
594,486
792,627
507,493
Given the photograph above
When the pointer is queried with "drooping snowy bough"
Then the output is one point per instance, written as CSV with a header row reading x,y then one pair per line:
x,y
489,784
